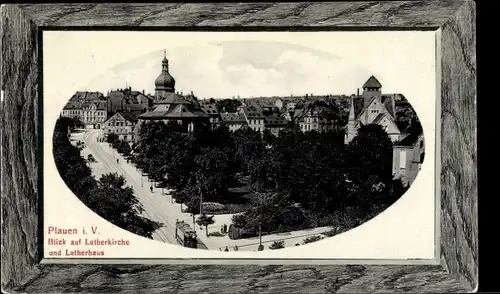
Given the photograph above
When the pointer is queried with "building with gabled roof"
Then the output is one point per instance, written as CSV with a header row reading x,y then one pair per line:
x,y
408,155
234,121
275,123
373,108
211,110
122,124
317,116
93,114
121,100
254,117
72,109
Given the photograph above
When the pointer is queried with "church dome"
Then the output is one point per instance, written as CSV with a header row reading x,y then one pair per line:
x,y
165,81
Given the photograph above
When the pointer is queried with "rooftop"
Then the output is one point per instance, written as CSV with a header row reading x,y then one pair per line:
x,y
128,116
372,82
233,118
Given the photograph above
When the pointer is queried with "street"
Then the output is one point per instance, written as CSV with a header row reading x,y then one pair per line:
x,y
160,207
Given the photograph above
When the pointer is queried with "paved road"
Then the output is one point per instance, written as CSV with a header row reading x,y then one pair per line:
x,y
154,203
159,206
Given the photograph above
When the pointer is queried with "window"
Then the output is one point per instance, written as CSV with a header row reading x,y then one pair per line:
x,y
402,159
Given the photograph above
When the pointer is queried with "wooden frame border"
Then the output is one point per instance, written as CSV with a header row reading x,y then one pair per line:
x,y
455,26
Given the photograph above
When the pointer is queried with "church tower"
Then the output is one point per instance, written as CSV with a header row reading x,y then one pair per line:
x,y
351,124
371,88
165,83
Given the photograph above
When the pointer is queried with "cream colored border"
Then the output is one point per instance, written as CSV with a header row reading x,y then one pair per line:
x,y
235,261
437,155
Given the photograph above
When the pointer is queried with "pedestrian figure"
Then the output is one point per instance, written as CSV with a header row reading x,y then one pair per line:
x,y
227,249
151,189
235,247
225,228
117,160
220,249
222,228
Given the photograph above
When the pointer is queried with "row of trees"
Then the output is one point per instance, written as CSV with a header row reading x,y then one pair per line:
x,y
122,146
109,196
197,166
295,173
317,173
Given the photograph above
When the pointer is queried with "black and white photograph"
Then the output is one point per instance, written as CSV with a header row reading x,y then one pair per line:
x,y
271,147
241,145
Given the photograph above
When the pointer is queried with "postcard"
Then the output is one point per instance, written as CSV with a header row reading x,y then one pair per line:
x,y
219,146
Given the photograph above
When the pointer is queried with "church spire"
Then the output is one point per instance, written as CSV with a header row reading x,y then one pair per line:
x,y
164,62
352,115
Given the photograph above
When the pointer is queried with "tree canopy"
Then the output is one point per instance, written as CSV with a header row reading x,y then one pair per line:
x,y
109,197
300,173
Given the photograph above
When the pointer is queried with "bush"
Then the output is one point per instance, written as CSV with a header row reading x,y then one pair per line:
x,y
312,239
332,232
277,244
215,234
213,206
260,248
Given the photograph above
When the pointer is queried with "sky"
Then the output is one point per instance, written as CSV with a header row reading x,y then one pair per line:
x,y
225,64
245,68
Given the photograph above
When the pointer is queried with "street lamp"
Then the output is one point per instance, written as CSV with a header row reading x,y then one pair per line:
x,y
201,203
260,222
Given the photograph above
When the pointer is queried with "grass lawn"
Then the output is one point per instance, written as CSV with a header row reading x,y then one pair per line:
x,y
239,197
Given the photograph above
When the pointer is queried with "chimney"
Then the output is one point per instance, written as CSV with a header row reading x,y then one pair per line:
x,y
143,92
393,102
358,93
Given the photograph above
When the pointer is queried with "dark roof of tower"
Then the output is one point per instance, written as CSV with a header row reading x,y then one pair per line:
x,y
372,82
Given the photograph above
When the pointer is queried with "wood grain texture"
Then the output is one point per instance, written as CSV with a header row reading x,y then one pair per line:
x,y
19,37
459,226
345,13
239,279
20,269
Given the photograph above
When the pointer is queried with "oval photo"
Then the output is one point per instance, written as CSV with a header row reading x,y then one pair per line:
x,y
239,172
